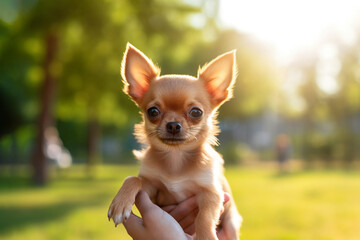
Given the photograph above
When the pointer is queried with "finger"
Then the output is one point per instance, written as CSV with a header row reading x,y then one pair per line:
x,y
143,203
134,226
226,198
189,219
169,208
220,234
184,208
189,237
190,229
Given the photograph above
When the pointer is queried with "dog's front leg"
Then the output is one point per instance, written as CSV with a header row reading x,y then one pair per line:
x,y
120,207
209,202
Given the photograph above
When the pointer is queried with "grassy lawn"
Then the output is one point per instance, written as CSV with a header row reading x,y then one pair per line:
x,y
303,205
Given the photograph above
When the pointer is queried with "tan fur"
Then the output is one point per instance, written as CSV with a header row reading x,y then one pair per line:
x,y
175,167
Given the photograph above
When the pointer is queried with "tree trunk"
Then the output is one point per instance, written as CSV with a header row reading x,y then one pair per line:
x,y
45,118
93,141
14,154
93,145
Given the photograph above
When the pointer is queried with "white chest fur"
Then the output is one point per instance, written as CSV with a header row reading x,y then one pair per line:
x,y
181,187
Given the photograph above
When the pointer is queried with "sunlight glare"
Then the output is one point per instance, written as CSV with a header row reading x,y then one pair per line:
x,y
290,27
327,69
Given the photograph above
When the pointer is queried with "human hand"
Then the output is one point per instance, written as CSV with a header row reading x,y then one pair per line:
x,y
155,224
186,211
160,225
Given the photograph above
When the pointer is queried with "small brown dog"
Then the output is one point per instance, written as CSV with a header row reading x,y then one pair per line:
x,y
179,129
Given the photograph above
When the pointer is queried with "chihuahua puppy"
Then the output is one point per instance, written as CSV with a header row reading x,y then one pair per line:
x,y
179,130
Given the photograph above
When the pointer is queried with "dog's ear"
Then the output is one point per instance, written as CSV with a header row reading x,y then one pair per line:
x,y
219,76
137,71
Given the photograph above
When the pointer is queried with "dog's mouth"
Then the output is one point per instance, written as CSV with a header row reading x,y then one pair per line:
x,y
173,141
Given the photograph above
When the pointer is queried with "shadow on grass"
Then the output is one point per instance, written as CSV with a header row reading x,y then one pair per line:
x,y
14,182
15,218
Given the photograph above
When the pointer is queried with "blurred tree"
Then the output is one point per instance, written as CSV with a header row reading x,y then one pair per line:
x,y
91,81
45,119
16,92
47,21
328,133
76,49
346,102
11,115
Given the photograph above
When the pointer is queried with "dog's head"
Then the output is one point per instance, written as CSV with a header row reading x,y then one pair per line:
x,y
178,109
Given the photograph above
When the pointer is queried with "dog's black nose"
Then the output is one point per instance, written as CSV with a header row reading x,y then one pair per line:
x,y
173,127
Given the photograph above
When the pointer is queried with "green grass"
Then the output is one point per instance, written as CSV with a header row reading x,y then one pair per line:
x,y
303,205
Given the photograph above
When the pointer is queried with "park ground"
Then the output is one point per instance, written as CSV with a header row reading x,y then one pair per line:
x,y
313,204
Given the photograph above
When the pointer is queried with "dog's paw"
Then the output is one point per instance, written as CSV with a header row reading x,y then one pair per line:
x,y
119,211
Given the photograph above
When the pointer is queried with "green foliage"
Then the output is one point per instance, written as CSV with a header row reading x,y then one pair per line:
x,y
235,153
11,113
91,37
328,133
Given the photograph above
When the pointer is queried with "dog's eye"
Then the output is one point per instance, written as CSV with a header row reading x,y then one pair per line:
x,y
195,113
153,112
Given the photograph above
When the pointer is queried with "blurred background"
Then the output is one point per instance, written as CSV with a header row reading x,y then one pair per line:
x,y
290,136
